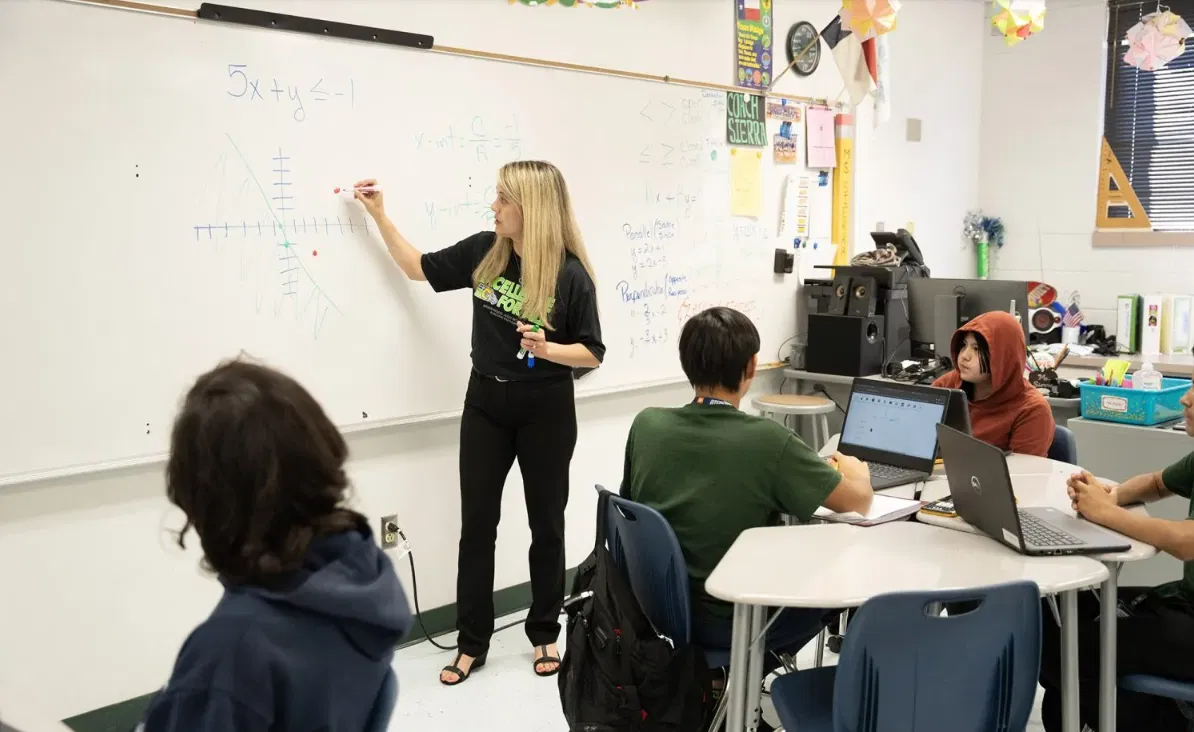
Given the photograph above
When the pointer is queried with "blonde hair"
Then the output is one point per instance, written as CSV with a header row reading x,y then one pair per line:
x,y
549,231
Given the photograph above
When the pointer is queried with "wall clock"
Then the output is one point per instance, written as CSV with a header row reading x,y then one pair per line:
x,y
804,47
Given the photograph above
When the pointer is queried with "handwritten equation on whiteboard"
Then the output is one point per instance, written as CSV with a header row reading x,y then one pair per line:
x,y
483,140
676,272
247,84
480,145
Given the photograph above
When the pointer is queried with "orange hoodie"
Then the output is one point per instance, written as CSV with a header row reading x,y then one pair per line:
x,y
1014,416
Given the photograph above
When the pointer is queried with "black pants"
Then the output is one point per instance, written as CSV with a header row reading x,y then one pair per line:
x,y
536,423
1156,637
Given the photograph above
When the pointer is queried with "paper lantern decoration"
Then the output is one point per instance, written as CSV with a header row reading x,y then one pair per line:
x,y
869,19
1018,19
1156,40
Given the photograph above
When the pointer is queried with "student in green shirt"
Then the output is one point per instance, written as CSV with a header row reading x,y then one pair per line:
x,y
714,471
1155,628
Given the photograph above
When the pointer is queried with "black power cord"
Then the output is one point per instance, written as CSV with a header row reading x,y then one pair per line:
x,y
414,582
779,354
819,389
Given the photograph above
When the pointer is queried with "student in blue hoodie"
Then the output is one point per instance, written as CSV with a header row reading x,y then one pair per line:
x,y
312,609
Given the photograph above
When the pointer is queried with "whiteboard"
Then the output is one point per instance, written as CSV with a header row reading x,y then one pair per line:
x,y
168,204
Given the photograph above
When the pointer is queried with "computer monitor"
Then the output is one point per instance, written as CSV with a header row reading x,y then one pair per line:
x,y
926,297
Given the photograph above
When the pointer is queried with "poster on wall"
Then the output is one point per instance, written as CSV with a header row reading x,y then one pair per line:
x,y
746,120
752,28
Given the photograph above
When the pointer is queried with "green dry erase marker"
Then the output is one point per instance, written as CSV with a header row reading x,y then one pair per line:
x,y
530,356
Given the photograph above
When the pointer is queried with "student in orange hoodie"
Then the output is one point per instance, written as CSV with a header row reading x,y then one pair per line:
x,y
989,357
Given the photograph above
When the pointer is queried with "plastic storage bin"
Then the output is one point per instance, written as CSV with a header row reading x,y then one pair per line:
x,y
1134,406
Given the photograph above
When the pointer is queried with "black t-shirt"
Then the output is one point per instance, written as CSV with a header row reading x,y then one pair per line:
x,y
497,309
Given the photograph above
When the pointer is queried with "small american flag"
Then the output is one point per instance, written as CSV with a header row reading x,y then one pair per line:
x,y
1072,317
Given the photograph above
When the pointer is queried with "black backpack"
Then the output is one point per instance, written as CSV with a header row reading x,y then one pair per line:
x,y
618,674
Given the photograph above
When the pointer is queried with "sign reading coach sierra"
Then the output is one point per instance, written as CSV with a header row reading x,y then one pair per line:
x,y
746,120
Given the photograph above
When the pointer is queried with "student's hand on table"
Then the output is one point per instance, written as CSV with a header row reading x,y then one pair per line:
x,y
1093,500
1085,478
372,200
849,466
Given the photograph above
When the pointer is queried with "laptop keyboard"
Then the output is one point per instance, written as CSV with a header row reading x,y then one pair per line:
x,y
891,472
1039,533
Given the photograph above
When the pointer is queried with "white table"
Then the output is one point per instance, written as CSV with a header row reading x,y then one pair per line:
x,y
844,566
1041,482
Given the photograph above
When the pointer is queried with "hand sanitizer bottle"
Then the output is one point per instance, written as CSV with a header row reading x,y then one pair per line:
x,y
1147,378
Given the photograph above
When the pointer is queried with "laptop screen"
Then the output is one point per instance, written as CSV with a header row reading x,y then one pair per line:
x,y
902,421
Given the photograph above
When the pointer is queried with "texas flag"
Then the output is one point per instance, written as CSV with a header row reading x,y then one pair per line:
x,y
752,9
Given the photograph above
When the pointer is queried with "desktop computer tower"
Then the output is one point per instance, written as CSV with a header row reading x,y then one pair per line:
x,y
847,345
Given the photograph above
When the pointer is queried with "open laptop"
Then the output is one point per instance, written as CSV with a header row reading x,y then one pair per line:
x,y
892,427
981,489
957,411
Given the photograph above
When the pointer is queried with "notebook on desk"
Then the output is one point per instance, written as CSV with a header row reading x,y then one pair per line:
x,y
883,509
892,427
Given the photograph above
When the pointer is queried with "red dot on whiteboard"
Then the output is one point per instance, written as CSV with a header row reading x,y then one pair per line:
x,y
314,252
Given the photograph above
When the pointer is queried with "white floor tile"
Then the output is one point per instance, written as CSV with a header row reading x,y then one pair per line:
x,y
504,695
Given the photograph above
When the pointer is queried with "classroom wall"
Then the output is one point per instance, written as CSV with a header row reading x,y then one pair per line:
x,y
96,599
1042,132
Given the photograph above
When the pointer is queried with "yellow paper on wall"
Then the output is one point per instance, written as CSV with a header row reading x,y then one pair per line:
x,y
746,182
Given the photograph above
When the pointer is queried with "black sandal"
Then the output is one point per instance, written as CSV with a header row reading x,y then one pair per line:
x,y
545,659
461,676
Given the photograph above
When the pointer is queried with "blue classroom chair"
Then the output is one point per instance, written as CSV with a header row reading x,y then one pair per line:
x,y
1063,448
905,666
1158,686
645,549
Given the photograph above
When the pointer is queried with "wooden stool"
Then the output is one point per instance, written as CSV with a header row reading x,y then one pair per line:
x,y
800,405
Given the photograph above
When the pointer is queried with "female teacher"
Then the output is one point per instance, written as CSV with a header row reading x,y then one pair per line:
x,y
533,294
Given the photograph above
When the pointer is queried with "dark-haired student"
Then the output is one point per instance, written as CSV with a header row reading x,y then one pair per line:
x,y
1154,626
312,609
1006,411
713,471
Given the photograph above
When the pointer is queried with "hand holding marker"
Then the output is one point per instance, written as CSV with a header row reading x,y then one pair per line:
x,y
350,190
529,356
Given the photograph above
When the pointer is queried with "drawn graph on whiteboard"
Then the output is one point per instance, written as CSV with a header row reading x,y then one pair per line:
x,y
273,218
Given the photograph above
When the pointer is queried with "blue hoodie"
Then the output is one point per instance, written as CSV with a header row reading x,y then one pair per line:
x,y
311,656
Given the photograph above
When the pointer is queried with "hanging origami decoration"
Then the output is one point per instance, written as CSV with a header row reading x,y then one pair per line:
x,y
869,18
1018,19
1156,40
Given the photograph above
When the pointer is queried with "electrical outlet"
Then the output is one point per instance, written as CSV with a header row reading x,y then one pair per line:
x,y
389,532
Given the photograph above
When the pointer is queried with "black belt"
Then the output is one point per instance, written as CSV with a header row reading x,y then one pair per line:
x,y
554,378
498,379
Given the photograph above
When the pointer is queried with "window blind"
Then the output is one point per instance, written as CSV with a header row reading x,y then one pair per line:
x,y
1149,120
